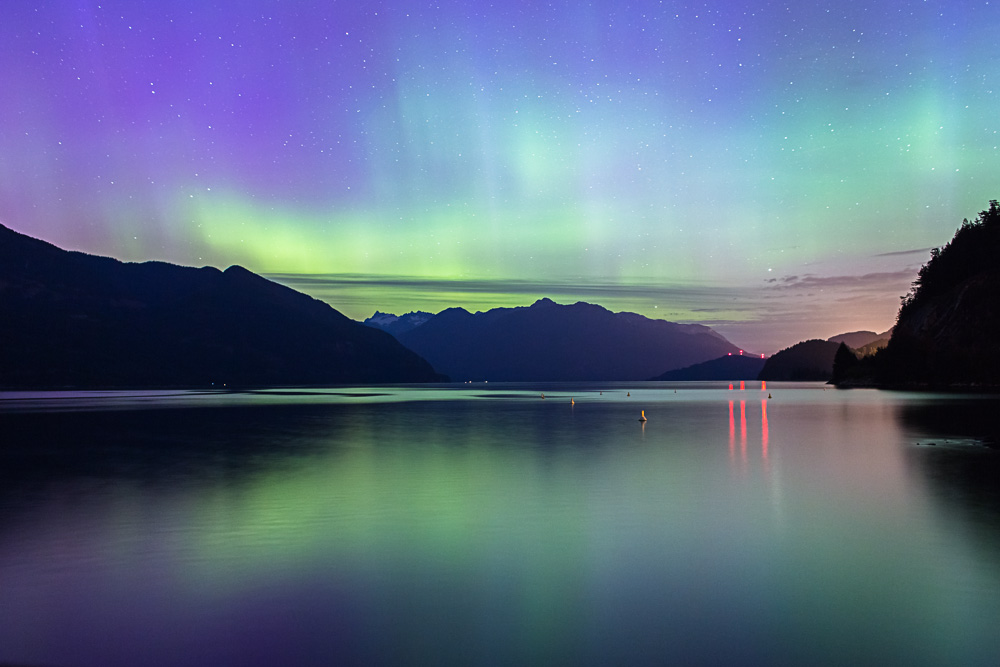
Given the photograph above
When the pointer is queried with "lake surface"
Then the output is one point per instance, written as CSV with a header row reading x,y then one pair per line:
x,y
482,524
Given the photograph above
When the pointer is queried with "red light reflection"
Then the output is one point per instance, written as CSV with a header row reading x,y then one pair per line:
x,y
743,429
732,432
763,427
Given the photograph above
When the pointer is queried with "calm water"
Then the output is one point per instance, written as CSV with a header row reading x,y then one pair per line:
x,y
484,525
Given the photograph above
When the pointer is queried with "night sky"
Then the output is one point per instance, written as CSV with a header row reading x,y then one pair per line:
x,y
775,170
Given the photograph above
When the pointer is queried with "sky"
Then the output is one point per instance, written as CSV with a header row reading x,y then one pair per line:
x,y
775,170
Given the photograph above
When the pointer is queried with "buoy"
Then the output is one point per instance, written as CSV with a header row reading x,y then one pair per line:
x,y
543,394
572,401
769,395
628,393
642,417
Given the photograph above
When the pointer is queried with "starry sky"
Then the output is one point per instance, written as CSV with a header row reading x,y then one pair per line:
x,y
775,170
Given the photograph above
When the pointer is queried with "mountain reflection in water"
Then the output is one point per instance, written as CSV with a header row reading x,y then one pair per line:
x,y
485,525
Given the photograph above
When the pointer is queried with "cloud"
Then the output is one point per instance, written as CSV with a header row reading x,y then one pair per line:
x,y
877,282
901,253
691,296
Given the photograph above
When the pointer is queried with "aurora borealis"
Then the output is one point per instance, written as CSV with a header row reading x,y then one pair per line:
x,y
775,170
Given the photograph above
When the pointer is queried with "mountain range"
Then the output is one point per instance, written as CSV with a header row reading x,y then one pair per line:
x,y
807,360
548,341
75,320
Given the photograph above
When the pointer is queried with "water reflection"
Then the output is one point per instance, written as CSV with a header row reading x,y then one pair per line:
x,y
743,430
508,531
956,448
732,432
955,416
158,444
763,427
764,431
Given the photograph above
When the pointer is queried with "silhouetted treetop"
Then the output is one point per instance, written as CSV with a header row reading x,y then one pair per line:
x,y
975,248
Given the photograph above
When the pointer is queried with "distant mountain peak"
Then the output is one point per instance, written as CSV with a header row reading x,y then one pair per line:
x,y
454,310
397,324
856,339
551,341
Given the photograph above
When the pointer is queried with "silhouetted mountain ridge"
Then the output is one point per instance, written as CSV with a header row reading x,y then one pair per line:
x,y
729,367
810,360
550,341
72,319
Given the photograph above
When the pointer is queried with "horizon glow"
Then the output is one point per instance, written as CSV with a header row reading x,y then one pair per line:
x,y
777,172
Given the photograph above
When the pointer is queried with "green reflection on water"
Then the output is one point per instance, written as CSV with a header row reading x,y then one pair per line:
x,y
727,528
